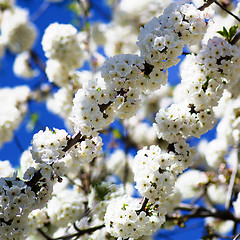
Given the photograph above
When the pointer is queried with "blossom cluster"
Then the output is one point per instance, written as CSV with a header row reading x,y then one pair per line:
x,y
62,45
123,220
12,111
18,199
161,40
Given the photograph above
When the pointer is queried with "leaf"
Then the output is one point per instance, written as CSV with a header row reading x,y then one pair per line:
x,y
75,8
116,133
33,121
232,31
228,35
224,32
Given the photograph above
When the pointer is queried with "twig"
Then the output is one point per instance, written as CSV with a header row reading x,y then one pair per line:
x,y
70,236
224,9
40,11
235,38
202,212
37,60
236,237
18,143
36,177
206,4
231,185
144,204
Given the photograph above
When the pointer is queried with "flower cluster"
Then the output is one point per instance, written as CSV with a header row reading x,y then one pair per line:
x,y
85,151
18,32
123,220
65,207
155,171
12,111
60,43
161,40
93,109
22,67
47,150
17,200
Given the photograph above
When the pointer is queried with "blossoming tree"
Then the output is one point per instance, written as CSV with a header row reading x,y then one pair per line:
x,y
84,182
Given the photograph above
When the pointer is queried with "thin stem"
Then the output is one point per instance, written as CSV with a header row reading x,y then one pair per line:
x,y
70,236
231,185
235,38
224,9
40,11
237,237
206,4
37,60
202,212
18,143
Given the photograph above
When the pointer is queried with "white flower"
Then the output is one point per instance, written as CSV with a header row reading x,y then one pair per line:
x,y
22,67
18,33
60,42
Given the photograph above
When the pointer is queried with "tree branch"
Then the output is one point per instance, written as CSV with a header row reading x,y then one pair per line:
x,y
224,9
206,4
231,185
75,138
70,236
236,38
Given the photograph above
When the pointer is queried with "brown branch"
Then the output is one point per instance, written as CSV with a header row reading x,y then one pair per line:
x,y
202,212
36,177
37,60
77,137
70,236
235,38
224,9
231,185
144,204
206,4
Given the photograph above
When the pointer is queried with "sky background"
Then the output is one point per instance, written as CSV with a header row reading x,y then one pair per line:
x,y
12,150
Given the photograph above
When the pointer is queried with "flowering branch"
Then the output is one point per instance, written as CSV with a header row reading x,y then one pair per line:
x,y
77,137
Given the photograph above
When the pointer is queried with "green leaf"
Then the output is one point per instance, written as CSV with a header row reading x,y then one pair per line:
x,y
101,190
228,35
116,133
75,8
232,31
33,121
224,32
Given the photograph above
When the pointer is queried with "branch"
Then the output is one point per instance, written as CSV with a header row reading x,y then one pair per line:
x,y
206,4
36,177
70,236
144,204
37,60
224,9
202,212
237,237
77,137
236,38
231,185
40,11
